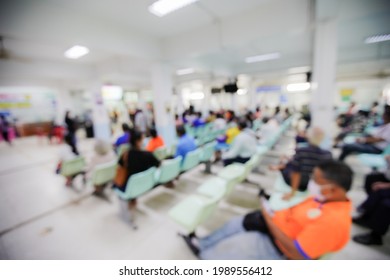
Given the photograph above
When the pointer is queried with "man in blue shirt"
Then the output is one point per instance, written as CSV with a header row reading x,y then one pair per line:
x,y
125,138
186,143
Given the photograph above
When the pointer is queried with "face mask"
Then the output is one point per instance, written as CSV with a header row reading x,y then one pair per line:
x,y
315,190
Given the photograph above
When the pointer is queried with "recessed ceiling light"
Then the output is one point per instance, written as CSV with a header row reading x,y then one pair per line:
x,y
241,91
185,71
196,95
162,7
298,87
377,38
76,52
262,57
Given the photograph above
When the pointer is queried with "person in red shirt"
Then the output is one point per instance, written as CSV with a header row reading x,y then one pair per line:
x,y
317,226
155,142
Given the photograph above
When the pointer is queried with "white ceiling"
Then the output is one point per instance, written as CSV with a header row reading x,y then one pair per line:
x,y
213,36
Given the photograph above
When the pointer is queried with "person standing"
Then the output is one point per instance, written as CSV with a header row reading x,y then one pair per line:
x,y
4,126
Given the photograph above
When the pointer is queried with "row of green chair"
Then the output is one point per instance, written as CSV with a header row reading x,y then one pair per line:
x,y
197,208
170,169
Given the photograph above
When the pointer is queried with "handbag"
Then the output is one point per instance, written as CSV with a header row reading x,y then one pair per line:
x,y
121,174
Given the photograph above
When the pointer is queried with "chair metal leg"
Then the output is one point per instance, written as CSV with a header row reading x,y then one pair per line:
x,y
207,167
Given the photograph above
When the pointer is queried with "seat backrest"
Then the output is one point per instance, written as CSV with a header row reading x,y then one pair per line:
x,y
207,151
386,151
122,148
139,184
191,160
73,166
169,170
161,153
104,173
172,150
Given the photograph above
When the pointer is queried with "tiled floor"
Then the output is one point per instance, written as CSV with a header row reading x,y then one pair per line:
x,y
42,219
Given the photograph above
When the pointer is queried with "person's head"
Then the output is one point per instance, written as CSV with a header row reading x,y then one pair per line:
x,y
153,132
180,130
386,116
198,114
331,180
315,135
242,124
219,116
136,138
101,147
375,104
266,119
67,114
125,127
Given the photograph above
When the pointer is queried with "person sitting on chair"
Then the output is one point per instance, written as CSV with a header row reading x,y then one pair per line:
x,y
243,146
185,144
136,160
317,226
374,144
298,170
155,142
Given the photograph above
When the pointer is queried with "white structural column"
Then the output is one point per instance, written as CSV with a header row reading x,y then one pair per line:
x,y
162,102
206,100
100,117
324,68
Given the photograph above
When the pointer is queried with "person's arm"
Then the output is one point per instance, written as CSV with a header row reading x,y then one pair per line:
x,y
371,140
380,186
234,150
295,178
287,244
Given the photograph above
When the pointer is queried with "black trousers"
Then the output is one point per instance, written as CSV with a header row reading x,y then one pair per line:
x,y
377,211
233,160
373,178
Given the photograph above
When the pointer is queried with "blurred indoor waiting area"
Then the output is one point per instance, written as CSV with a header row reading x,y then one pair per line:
x,y
194,129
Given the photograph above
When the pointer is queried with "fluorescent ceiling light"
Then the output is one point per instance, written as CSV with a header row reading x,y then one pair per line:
x,y
196,95
111,92
262,57
241,91
298,87
76,52
162,7
377,38
185,71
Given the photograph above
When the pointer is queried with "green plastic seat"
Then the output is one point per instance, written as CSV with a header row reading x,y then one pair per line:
x,y
161,153
172,150
168,171
375,161
207,152
122,148
232,174
104,173
212,187
262,149
138,184
196,209
73,167
191,160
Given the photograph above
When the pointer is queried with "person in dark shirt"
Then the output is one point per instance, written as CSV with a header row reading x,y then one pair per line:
x,y
137,160
298,170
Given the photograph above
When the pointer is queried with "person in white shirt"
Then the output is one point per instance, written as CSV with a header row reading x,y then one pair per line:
x,y
373,144
103,154
243,146
268,130
219,123
141,122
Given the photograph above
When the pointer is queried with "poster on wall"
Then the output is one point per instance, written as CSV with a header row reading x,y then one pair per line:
x,y
28,105
346,94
